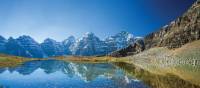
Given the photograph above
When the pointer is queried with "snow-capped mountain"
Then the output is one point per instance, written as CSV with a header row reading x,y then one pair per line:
x,y
2,44
120,40
89,44
52,48
68,43
31,46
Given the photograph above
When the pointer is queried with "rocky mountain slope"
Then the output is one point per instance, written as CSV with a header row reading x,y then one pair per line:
x,y
137,47
184,30
179,32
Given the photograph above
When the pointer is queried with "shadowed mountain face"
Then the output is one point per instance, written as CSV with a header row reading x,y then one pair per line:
x,y
2,44
52,48
31,46
137,47
13,47
88,45
184,30
23,46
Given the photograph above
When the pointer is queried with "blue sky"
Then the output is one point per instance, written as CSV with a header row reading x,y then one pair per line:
x,y
59,19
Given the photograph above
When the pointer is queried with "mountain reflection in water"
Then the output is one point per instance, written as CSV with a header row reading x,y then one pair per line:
x,y
59,74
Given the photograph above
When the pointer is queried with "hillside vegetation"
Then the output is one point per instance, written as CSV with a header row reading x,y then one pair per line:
x,y
184,61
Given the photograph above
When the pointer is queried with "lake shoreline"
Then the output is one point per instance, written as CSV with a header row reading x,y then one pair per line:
x,y
157,60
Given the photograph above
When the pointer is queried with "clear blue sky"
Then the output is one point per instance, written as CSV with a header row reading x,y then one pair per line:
x,y
59,19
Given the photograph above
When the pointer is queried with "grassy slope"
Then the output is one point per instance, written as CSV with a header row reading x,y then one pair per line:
x,y
155,80
184,61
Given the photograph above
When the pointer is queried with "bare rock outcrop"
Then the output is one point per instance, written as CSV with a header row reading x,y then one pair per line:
x,y
179,32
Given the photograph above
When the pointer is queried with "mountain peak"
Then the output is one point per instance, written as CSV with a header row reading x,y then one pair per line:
x,y
25,36
71,38
121,39
11,39
123,32
69,41
49,40
88,34
2,38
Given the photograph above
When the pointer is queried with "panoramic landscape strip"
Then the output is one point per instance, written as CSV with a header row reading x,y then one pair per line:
x,y
167,58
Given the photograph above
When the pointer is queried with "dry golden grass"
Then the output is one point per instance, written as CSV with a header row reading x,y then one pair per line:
x,y
12,61
190,48
92,59
163,61
88,59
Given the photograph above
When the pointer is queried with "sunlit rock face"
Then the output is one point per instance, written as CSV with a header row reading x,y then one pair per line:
x,y
2,44
52,47
31,46
179,32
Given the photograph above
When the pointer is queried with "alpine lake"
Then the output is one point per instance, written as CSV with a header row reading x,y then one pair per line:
x,y
68,74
